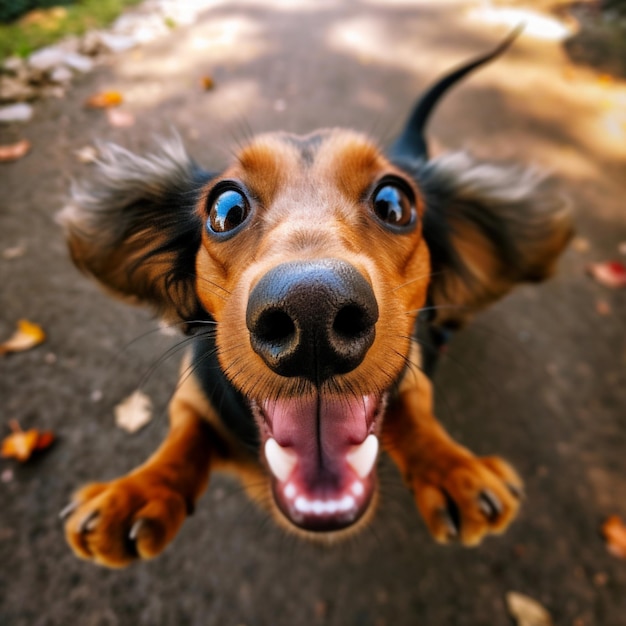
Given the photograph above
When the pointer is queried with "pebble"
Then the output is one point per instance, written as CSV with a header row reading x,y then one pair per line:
x,y
21,112
13,64
116,43
61,75
78,62
15,90
46,59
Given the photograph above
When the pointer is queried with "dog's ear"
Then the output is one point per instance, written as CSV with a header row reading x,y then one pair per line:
x,y
135,227
488,227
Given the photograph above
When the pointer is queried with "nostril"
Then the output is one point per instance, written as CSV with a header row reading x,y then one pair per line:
x,y
274,327
352,322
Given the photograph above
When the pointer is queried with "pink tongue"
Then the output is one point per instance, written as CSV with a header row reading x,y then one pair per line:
x,y
320,430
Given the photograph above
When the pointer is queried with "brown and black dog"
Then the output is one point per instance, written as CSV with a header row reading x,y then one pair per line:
x,y
316,275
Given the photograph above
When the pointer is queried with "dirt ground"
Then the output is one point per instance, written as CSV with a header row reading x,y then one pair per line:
x,y
539,379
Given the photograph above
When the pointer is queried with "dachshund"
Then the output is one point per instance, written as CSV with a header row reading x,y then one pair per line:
x,y
318,277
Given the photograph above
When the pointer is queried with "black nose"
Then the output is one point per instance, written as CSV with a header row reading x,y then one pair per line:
x,y
313,319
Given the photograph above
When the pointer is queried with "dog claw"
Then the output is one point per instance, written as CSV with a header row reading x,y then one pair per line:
x,y
516,491
489,504
89,522
451,517
135,529
68,509
452,530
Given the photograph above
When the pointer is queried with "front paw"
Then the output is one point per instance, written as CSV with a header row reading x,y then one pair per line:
x,y
463,497
132,517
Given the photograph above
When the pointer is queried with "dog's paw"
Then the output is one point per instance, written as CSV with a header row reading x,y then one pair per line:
x,y
465,498
132,517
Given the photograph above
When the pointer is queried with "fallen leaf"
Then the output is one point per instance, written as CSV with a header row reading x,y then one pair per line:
x,y
120,119
614,531
105,100
610,274
27,336
606,80
46,19
134,412
14,151
22,444
526,611
87,154
207,83
15,252
580,244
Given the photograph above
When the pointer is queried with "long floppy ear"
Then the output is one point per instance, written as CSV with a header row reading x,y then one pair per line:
x,y
488,227
135,229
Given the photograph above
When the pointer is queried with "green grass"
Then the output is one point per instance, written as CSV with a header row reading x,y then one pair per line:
x,y
21,37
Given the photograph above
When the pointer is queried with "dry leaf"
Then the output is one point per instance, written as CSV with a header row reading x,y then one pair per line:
x,y
614,531
8,254
87,154
134,412
27,336
22,444
105,100
610,274
207,83
120,119
606,80
526,611
580,244
14,151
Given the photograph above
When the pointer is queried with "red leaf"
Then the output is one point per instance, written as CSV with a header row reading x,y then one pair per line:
x,y
14,151
610,274
614,532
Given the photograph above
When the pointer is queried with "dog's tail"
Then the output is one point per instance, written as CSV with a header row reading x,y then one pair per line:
x,y
411,143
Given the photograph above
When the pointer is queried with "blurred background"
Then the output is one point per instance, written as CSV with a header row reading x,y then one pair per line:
x,y
539,379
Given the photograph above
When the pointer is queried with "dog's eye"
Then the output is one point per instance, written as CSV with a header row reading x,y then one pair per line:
x,y
229,210
393,206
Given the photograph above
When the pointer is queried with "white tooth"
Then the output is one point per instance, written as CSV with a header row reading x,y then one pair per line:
x,y
362,457
347,503
302,504
280,460
290,491
357,488
318,507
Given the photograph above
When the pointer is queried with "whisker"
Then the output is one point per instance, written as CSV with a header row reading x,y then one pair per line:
x,y
422,277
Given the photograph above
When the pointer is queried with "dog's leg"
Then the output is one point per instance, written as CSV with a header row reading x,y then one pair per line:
x,y
461,496
137,515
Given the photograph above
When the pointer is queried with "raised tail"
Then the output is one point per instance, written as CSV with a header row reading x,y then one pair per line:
x,y
411,143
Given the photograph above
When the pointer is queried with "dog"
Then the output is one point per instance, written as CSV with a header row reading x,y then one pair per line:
x,y
318,277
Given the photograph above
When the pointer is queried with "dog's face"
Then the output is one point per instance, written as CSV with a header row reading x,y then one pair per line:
x,y
313,265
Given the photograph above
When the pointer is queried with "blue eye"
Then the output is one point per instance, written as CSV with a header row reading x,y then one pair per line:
x,y
229,210
393,206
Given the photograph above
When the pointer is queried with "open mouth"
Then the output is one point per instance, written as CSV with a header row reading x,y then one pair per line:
x,y
321,452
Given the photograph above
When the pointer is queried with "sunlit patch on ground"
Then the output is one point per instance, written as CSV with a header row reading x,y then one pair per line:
x,y
536,25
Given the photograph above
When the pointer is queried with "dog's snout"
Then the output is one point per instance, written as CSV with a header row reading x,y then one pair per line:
x,y
312,319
